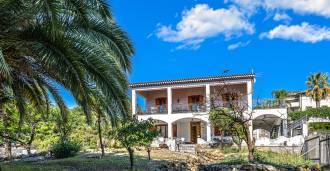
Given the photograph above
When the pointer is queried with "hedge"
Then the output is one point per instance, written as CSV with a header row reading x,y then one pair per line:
x,y
320,126
322,112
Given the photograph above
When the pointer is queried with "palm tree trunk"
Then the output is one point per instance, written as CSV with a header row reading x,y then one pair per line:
x,y
100,133
29,144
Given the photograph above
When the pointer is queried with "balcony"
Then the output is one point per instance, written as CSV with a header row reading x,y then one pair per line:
x,y
148,110
269,104
176,108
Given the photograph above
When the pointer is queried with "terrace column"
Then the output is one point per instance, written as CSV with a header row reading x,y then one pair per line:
x,y
250,107
169,130
285,128
208,132
305,129
258,133
249,94
133,102
169,100
208,97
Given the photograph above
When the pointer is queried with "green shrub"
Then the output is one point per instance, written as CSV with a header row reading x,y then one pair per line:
x,y
320,126
321,112
64,149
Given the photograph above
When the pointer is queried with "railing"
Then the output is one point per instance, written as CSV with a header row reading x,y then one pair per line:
x,y
269,104
162,109
188,108
176,108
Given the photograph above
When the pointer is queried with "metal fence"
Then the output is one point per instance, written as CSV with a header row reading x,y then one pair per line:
x,y
317,149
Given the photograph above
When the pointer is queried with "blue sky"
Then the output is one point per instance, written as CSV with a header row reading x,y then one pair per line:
x,y
282,41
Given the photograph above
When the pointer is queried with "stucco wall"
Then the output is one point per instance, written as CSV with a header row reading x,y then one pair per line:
x,y
183,130
309,102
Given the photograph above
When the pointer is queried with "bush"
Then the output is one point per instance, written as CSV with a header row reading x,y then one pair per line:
x,y
322,112
64,149
323,127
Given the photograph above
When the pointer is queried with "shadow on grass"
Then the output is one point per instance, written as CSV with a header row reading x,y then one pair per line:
x,y
112,161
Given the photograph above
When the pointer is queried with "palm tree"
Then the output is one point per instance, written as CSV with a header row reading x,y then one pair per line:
x,y
318,87
280,95
75,44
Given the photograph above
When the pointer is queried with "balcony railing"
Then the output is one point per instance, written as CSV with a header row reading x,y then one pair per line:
x,y
176,108
162,109
188,108
269,104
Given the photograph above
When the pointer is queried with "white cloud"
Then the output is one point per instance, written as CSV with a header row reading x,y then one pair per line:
x,y
282,17
316,7
247,6
304,32
202,22
238,45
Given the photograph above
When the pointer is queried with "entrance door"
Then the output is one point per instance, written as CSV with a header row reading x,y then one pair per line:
x,y
195,131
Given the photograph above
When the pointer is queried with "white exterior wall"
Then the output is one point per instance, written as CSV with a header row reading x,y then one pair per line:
x,y
309,102
183,130
151,96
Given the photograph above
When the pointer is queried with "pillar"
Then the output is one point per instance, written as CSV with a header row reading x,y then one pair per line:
x,y
133,102
249,94
208,132
208,97
285,127
305,129
169,130
169,100
258,133
251,129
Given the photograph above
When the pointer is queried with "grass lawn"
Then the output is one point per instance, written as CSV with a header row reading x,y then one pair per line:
x,y
115,160
119,160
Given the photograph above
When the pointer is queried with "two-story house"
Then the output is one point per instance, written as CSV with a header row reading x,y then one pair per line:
x,y
180,107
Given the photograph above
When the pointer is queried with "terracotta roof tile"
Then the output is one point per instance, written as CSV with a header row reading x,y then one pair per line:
x,y
193,80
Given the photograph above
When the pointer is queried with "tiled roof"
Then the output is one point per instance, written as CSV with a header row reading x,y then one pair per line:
x,y
194,80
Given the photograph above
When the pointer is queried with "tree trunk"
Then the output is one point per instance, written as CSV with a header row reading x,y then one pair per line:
x,y
29,144
149,150
131,156
8,148
318,104
250,142
100,133
7,139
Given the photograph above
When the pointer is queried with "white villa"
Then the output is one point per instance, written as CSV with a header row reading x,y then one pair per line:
x,y
180,108
299,101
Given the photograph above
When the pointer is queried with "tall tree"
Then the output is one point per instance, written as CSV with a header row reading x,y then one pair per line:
x,y
74,44
318,87
280,96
